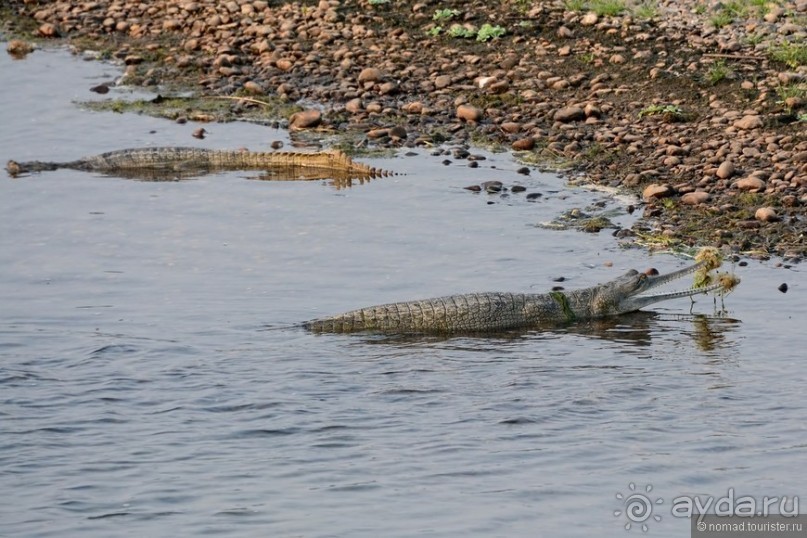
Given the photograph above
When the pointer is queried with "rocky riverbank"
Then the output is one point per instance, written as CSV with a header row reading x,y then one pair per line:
x,y
699,106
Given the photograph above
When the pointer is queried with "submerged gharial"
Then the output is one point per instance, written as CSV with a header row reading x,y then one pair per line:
x,y
171,163
497,311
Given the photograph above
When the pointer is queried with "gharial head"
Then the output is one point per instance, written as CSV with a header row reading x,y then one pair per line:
x,y
628,292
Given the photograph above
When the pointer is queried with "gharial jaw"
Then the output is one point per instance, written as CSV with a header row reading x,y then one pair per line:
x,y
628,293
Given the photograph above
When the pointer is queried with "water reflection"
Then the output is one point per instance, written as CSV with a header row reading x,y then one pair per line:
x,y
638,329
337,180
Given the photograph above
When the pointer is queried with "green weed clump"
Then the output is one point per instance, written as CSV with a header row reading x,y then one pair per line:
x,y
488,32
485,33
445,15
792,54
608,8
646,10
721,18
718,72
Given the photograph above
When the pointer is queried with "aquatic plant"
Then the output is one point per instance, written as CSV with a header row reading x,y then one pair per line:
x,y
488,32
445,14
458,30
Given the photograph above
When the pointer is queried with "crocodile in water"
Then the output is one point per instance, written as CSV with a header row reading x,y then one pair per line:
x,y
173,163
490,312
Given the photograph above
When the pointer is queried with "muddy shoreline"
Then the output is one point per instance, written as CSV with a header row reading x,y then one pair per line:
x,y
700,108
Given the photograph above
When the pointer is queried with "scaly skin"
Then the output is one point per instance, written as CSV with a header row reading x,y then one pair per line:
x,y
490,312
178,162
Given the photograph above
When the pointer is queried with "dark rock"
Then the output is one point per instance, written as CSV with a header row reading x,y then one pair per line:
x,y
398,132
493,186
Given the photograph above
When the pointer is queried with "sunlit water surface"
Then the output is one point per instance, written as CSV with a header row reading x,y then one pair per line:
x,y
153,384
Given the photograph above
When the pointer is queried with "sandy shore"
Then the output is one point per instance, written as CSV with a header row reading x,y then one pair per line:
x,y
701,107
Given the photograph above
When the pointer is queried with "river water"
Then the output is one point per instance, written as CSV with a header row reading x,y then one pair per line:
x,y
152,382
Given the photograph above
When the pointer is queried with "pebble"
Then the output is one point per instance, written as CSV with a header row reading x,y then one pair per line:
x,y
388,88
524,144
369,74
284,64
783,287
48,30
725,170
492,186
589,19
655,191
354,106
253,88
766,214
569,114
469,113
695,198
305,119
398,133
750,184
751,121
499,87
415,107
442,81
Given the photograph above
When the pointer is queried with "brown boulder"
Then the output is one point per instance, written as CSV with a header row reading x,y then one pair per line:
x,y
511,127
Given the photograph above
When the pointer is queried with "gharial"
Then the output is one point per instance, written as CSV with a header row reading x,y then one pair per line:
x,y
490,312
170,163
